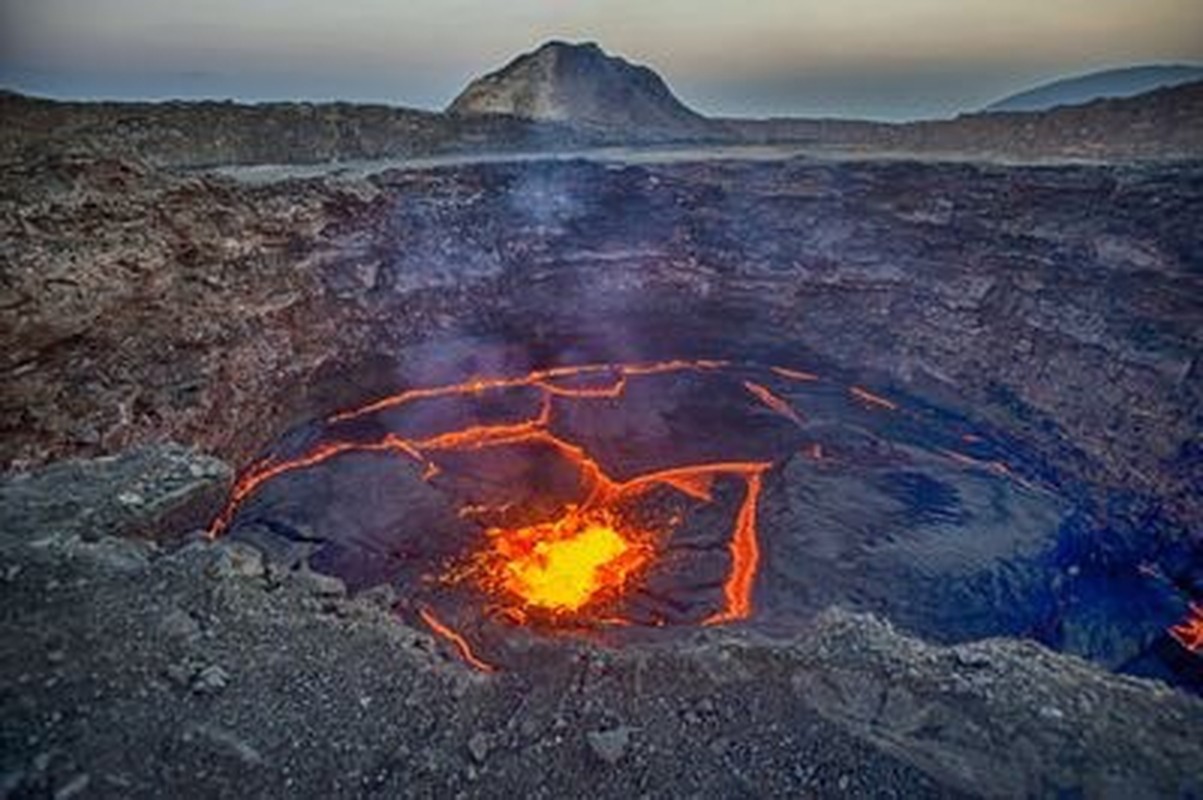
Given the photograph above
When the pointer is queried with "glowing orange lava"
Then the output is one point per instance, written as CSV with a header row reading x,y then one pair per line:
x,y
999,468
794,374
459,642
745,557
872,399
261,472
766,396
1189,632
563,565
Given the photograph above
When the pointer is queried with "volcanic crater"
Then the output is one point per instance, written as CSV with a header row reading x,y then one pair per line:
x,y
584,417
630,412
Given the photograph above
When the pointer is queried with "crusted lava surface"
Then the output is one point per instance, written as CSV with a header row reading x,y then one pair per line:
x,y
632,501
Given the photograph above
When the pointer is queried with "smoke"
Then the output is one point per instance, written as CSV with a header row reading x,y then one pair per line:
x,y
552,260
543,197
557,262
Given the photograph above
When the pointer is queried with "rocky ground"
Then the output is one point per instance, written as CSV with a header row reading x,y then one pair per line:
x,y
187,668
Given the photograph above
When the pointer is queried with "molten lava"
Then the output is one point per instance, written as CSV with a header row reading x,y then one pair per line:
x,y
745,557
457,641
872,399
563,565
794,374
766,396
1189,632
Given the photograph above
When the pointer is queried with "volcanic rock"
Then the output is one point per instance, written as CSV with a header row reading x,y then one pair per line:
x,y
122,555
609,745
582,85
237,559
479,745
177,490
177,623
916,717
319,585
223,742
1157,125
210,133
210,680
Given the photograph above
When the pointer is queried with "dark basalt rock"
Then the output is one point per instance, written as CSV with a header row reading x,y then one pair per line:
x,y
183,134
145,492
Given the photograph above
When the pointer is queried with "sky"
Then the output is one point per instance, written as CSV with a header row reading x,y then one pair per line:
x,y
883,59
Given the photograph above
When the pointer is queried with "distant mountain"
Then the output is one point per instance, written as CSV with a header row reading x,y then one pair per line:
x,y
1162,124
1124,82
582,85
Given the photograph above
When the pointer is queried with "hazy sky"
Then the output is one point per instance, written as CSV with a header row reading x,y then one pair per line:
x,y
880,58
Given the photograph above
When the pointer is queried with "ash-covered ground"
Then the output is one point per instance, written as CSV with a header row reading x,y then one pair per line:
x,y
1051,310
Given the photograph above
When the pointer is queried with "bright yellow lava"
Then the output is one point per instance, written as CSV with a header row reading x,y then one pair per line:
x,y
560,566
